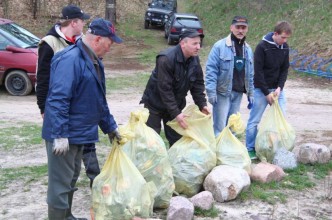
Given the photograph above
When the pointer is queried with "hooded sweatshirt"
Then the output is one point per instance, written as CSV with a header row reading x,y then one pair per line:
x,y
271,63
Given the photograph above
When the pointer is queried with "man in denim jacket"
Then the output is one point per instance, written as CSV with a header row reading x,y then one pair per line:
x,y
229,74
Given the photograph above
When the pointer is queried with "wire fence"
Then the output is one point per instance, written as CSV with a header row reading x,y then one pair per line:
x,y
311,64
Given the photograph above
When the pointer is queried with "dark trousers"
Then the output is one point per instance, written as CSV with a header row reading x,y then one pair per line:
x,y
63,172
90,161
154,122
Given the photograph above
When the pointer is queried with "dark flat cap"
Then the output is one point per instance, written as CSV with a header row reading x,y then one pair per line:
x,y
191,33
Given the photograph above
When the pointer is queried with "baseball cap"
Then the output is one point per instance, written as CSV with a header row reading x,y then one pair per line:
x,y
72,11
104,28
191,33
240,20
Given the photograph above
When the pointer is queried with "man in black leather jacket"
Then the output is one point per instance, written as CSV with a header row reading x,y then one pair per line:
x,y
177,71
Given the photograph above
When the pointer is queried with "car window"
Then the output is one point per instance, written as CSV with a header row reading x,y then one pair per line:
x,y
3,43
187,22
19,35
162,5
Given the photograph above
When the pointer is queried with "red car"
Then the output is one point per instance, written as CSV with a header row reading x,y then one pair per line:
x,y
18,58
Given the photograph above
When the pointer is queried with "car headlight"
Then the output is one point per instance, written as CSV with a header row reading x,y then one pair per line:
x,y
166,16
149,14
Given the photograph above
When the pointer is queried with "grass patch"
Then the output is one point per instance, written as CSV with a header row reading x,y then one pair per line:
x,y
20,137
297,179
128,84
152,39
212,213
262,17
25,174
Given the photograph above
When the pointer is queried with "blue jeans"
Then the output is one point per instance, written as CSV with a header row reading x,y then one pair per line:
x,y
225,107
256,114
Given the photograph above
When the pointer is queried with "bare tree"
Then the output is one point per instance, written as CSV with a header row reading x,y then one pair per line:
x,y
5,7
34,7
110,10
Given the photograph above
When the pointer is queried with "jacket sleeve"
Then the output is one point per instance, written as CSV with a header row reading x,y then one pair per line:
x,y
284,71
61,90
259,79
107,123
250,93
165,88
212,72
197,90
45,54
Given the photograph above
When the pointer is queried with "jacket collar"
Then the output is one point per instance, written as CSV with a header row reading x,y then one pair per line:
x,y
90,63
57,31
268,38
229,41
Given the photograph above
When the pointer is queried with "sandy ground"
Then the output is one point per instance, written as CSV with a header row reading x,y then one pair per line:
x,y
309,111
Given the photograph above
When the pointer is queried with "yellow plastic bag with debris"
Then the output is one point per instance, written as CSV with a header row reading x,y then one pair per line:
x,y
148,152
230,151
120,191
274,133
194,155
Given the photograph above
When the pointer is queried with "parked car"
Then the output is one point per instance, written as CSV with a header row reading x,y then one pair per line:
x,y
159,12
18,58
179,22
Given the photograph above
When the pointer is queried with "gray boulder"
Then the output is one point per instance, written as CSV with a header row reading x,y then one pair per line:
x,y
285,159
311,153
180,208
226,182
203,200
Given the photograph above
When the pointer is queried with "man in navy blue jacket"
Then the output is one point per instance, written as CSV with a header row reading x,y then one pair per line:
x,y
64,33
271,63
76,104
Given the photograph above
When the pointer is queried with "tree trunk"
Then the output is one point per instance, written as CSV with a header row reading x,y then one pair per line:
x,y
110,10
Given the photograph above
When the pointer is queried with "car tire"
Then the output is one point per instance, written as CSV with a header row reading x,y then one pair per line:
x,y
146,25
18,83
170,41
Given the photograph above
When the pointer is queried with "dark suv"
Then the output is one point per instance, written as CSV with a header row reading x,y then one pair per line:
x,y
159,12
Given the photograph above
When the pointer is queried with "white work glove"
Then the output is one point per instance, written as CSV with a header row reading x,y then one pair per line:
x,y
60,146
212,100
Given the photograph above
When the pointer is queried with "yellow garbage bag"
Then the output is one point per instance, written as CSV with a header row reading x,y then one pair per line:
x,y
148,152
274,132
120,192
230,151
193,156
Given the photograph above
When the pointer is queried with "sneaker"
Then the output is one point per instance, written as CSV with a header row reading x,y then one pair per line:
x,y
252,155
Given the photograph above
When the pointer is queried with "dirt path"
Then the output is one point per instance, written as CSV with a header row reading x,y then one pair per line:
x,y
309,111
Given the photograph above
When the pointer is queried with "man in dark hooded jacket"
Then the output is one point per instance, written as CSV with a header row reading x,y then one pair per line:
x,y
271,63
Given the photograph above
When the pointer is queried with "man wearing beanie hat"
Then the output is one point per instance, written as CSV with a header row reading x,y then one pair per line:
x,y
177,71
76,104
229,73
